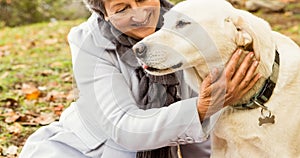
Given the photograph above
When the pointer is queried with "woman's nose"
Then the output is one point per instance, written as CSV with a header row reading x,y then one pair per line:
x,y
140,15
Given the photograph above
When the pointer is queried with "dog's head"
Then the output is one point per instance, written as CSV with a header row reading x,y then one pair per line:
x,y
204,34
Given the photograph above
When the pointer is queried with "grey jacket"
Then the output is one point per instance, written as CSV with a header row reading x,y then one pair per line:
x,y
105,121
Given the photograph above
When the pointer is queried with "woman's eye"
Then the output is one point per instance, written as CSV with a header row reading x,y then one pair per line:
x,y
121,10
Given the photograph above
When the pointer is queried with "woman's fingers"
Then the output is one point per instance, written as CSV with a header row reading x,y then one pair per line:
x,y
243,79
250,75
251,84
222,88
231,65
243,69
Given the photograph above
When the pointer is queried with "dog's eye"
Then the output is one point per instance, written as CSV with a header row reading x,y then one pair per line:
x,y
227,19
181,23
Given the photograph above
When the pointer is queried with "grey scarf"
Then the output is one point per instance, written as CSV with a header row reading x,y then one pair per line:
x,y
161,90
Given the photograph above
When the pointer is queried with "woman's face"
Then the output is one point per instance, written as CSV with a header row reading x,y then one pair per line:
x,y
135,18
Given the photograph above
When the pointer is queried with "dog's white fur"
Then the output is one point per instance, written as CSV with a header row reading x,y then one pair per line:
x,y
222,30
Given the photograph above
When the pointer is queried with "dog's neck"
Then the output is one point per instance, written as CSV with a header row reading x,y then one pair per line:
x,y
263,95
257,88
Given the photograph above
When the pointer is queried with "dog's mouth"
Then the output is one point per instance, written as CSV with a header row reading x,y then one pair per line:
x,y
156,71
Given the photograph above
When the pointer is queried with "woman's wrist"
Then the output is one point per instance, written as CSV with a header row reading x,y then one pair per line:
x,y
201,111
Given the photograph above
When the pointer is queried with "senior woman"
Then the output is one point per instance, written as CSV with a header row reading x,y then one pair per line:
x,y
123,112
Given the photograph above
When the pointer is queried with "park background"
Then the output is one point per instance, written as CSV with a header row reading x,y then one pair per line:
x,y
36,82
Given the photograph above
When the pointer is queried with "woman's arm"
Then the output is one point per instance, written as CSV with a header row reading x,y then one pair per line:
x,y
106,104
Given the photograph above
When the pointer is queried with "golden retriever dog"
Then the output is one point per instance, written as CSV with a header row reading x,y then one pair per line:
x,y
199,35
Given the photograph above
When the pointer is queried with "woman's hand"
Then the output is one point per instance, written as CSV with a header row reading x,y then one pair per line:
x,y
220,89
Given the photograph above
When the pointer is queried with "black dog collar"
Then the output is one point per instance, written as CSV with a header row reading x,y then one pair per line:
x,y
260,98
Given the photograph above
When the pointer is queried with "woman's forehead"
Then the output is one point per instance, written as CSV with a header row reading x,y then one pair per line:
x,y
113,2
109,4
118,1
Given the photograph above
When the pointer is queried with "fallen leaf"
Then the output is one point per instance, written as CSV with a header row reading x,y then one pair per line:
x,y
23,118
19,66
29,123
10,103
6,111
11,117
4,48
67,77
11,150
45,118
34,95
51,41
32,113
56,65
3,76
73,95
32,44
52,84
23,47
288,13
58,109
46,73
30,91
55,95
18,86
42,88
2,139
16,128
51,98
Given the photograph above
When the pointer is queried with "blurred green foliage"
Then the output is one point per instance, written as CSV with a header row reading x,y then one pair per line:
x,y
20,12
176,1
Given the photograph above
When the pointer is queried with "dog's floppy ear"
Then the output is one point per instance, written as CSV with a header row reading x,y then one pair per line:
x,y
260,34
243,38
254,32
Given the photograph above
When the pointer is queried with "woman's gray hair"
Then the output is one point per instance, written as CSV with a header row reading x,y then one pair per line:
x,y
98,6
95,6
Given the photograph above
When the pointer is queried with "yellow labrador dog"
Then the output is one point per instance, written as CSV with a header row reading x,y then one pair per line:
x,y
199,35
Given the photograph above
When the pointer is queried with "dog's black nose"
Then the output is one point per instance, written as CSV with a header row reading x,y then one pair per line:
x,y
140,50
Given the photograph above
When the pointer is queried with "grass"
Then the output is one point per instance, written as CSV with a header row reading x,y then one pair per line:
x,y
37,55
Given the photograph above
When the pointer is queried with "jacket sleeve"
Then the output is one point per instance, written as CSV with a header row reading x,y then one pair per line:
x,y
106,103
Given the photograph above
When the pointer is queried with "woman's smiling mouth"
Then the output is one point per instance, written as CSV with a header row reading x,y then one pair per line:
x,y
145,23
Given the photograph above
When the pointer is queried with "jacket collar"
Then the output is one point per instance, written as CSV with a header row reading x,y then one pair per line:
x,y
99,40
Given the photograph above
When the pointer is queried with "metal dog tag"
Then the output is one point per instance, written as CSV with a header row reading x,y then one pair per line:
x,y
266,119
